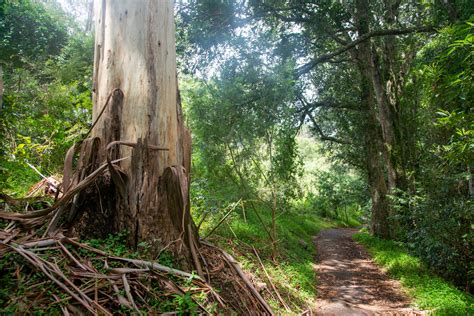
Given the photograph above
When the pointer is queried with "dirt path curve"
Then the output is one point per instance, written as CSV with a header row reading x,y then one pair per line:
x,y
349,283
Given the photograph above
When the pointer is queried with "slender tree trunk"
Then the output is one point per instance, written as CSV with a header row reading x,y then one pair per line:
x,y
373,140
1,87
271,183
139,120
386,119
90,16
470,182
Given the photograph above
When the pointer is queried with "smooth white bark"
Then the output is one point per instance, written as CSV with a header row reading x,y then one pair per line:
x,y
135,52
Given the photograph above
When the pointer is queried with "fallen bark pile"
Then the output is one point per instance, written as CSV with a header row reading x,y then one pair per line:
x,y
58,274
63,274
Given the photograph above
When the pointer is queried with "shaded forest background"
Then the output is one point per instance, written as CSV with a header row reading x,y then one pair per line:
x,y
275,94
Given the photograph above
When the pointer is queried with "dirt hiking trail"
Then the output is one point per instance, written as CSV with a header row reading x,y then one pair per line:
x,y
349,283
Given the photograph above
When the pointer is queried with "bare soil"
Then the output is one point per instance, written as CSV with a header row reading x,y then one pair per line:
x,y
349,283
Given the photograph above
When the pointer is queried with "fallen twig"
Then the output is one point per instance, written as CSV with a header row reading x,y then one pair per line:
x,y
271,283
233,263
126,286
157,266
222,219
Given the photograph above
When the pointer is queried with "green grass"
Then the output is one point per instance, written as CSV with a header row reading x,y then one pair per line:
x,y
293,270
429,291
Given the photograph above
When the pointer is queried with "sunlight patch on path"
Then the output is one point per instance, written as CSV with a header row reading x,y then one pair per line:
x,y
349,283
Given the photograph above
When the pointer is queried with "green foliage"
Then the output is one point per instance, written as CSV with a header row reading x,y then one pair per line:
x,y
74,63
292,272
453,11
429,291
208,22
185,305
47,100
40,129
340,193
437,229
244,135
435,215
115,244
29,30
452,75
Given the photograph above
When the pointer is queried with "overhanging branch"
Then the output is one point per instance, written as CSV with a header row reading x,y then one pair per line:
x,y
325,104
306,111
327,57
324,136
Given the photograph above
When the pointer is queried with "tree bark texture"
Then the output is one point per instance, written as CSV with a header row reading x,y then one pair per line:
x,y
373,139
387,79
138,118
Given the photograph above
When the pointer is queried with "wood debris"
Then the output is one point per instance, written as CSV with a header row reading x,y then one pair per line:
x,y
62,275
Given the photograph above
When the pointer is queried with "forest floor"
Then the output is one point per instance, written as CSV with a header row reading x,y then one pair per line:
x,y
349,283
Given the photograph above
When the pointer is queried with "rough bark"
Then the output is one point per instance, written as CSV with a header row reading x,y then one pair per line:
x,y
387,79
386,119
372,138
139,118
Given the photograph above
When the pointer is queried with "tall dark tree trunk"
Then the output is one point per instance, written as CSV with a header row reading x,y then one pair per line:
x,y
373,140
388,71
139,120
387,80
386,115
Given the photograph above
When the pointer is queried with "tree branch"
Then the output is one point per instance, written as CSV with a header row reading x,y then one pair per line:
x,y
294,17
322,135
327,57
307,112
328,104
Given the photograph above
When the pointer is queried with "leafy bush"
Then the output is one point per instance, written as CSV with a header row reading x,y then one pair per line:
x,y
47,101
437,229
434,215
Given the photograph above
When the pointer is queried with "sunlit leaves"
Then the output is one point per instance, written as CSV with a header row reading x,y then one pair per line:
x,y
47,99
28,30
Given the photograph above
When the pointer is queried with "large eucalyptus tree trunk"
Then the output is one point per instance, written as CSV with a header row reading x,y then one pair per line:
x,y
137,119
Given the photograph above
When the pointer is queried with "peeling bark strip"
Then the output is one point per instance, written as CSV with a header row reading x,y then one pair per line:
x,y
148,193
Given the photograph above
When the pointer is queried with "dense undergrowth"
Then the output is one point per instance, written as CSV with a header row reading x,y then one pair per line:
x,y
429,291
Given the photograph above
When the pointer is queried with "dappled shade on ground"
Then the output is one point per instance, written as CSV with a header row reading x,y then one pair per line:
x,y
349,283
